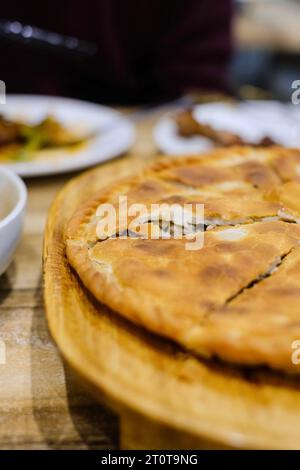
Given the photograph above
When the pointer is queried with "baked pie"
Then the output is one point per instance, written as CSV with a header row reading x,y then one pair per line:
x,y
238,296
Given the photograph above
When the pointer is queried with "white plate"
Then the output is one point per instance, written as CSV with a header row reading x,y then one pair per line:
x,y
113,134
251,120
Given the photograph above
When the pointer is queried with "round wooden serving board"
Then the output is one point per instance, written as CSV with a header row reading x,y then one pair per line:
x,y
166,398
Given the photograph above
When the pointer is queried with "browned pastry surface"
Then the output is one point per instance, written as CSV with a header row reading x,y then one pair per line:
x,y
238,297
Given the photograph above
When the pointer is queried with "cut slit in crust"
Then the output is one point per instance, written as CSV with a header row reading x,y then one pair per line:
x,y
197,299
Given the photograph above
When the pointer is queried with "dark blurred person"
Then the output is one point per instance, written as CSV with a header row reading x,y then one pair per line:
x,y
146,49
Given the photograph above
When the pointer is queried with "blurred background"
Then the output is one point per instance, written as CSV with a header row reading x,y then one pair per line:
x,y
135,51
266,57
124,53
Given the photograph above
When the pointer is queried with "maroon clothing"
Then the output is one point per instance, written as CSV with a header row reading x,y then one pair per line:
x,y
147,49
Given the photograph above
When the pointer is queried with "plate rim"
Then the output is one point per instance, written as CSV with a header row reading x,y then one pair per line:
x,y
34,169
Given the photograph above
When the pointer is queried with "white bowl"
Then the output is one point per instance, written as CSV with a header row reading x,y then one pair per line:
x,y
13,197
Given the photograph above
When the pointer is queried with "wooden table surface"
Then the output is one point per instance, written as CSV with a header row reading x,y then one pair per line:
x,y
41,405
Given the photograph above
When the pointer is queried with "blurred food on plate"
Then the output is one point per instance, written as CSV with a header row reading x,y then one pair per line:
x,y
200,127
20,140
188,126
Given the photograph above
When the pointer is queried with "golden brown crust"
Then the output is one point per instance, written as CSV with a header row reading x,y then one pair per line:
x,y
236,298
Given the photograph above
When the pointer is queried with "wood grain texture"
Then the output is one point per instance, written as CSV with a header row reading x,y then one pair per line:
x,y
165,397
41,404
